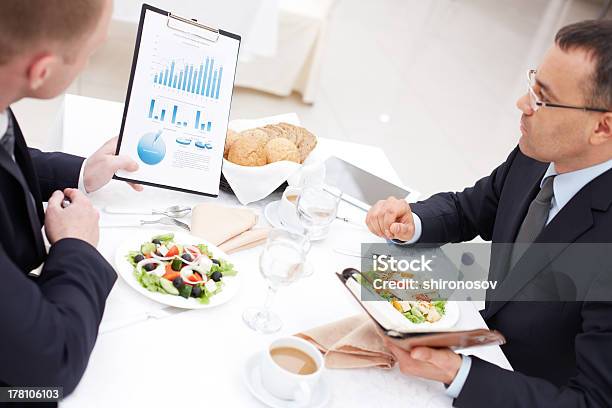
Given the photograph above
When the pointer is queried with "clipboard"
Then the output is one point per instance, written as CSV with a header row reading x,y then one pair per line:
x,y
182,128
407,341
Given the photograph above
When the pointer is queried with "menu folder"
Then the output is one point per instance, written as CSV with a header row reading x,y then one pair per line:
x,y
407,341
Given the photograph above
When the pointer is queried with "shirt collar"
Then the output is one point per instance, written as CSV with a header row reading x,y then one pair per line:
x,y
3,123
567,185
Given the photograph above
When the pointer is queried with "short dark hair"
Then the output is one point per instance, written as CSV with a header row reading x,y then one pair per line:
x,y
595,37
26,23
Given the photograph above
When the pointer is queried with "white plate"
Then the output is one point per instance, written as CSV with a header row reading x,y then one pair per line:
x,y
391,319
252,379
126,270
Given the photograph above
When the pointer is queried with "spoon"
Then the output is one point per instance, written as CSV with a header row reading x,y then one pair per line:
x,y
175,211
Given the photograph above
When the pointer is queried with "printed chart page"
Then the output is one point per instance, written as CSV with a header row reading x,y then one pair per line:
x,y
178,110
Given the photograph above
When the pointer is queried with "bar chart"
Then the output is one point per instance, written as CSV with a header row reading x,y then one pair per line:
x,y
179,115
203,80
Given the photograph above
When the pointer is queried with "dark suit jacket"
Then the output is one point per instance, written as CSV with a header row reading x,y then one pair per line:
x,y
48,325
561,351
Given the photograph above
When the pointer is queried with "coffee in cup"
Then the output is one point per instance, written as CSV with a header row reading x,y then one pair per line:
x,y
290,369
294,360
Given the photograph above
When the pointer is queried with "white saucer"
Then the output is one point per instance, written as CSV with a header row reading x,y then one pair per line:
x,y
271,215
252,379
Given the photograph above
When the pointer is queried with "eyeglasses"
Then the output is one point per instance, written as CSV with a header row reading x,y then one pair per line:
x,y
536,103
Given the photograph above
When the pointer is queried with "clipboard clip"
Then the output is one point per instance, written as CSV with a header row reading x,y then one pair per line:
x,y
174,22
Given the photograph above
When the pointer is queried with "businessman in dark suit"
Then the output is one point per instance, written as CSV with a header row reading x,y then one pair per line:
x,y
555,189
51,300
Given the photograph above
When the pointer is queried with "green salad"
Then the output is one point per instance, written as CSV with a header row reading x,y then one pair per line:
x,y
190,271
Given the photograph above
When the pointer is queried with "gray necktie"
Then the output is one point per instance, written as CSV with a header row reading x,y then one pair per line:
x,y
8,140
534,221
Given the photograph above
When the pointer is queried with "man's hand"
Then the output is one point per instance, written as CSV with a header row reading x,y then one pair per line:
x,y
391,219
433,364
79,220
103,164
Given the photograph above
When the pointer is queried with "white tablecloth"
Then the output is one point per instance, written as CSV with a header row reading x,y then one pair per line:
x,y
148,356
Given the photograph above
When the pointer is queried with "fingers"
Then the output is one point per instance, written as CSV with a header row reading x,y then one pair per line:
x,y
123,163
372,219
110,147
55,201
75,196
388,218
401,231
383,215
137,187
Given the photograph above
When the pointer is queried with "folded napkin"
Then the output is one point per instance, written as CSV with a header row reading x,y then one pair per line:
x,y
350,343
231,229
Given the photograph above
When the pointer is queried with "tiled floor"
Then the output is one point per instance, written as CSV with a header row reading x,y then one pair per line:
x,y
431,81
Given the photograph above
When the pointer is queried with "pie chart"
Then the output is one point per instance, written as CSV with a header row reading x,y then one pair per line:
x,y
152,148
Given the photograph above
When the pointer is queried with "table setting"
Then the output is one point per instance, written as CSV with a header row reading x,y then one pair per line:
x,y
240,304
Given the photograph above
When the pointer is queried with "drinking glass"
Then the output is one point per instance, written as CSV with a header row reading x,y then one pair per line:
x,y
282,262
317,208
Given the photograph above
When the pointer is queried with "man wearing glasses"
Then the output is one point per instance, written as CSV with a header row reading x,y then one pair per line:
x,y
555,188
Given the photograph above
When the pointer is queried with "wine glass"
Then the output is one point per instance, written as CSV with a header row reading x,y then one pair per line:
x,y
282,262
317,208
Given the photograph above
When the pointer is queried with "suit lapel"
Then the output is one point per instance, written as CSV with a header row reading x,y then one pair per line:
x,y
34,209
22,157
568,225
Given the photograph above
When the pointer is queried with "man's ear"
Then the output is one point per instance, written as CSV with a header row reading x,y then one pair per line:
x,y
40,70
603,130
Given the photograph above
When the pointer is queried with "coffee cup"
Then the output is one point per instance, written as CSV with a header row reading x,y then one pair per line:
x,y
291,369
287,209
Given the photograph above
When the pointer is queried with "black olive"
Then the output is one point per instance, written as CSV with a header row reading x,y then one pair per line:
x,y
187,257
216,261
196,292
138,258
178,282
216,276
149,267
156,241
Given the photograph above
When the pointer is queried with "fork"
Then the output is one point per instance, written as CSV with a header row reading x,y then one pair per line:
x,y
163,220
166,221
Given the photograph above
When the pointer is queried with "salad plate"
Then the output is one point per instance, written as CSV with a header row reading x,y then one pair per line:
x,y
177,269
419,315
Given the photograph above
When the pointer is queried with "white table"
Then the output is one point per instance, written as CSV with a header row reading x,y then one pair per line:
x,y
131,365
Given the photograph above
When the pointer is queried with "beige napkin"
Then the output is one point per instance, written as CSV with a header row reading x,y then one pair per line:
x,y
350,343
231,229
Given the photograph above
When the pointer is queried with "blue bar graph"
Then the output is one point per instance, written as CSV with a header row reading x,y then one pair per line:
x,y
219,82
203,79
210,70
205,76
182,115
197,89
